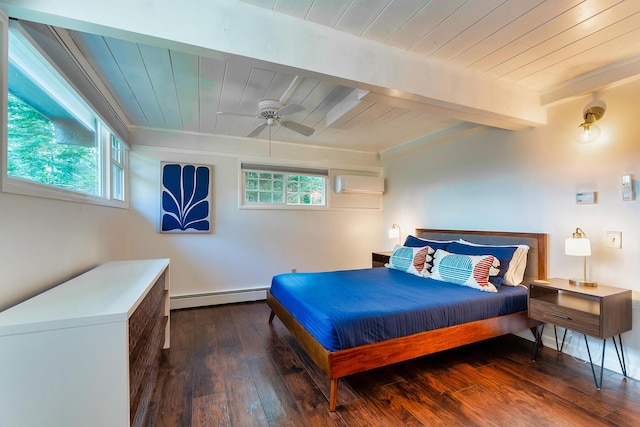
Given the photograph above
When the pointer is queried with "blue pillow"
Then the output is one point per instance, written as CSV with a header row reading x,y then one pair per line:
x,y
416,242
502,253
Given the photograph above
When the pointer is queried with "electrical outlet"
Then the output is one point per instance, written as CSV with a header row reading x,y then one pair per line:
x,y
614,239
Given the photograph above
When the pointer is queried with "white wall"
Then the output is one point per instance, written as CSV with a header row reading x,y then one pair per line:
x,y
526,181
46,242
247,246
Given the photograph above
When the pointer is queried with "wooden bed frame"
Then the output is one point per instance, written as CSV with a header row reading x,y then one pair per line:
x,y
340,363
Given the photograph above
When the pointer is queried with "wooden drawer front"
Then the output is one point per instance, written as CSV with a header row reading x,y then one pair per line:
x,y
143,356
146,338
576,320
145,313
146,368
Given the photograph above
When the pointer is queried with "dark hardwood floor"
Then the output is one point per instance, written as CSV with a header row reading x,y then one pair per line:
x,y
228,366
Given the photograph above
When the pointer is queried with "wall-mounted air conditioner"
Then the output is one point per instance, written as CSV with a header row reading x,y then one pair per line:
x,y
359,184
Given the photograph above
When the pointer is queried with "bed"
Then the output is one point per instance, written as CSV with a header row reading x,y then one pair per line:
x,y
395,336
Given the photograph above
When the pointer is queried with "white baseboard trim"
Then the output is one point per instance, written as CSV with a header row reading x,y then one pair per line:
x,y
216,298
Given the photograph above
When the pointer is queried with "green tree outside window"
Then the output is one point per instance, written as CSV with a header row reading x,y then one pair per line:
x,y
33,153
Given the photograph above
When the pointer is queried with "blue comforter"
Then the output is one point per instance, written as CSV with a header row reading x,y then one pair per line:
x,y
344,309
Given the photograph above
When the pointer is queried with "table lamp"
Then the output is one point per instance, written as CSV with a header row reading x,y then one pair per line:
x,y
394,233
579,245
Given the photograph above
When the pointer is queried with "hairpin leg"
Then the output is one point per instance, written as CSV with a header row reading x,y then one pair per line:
x,y
623,364
539,331
604,343
555,331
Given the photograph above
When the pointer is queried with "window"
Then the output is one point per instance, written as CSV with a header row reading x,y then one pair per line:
x,y
56,144
37,150
275,186
118,151
305,190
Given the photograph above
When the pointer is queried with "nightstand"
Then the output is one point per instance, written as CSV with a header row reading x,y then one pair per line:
x,y
602,312
380,258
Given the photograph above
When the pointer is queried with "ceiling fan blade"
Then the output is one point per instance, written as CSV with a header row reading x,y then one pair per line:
x,y
224,113
257,130
297,127
288,110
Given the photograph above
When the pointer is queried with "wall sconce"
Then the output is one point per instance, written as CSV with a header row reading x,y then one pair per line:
x,y
588,131
394,233
579,245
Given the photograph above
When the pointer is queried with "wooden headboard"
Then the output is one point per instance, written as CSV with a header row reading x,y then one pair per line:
x,y
536,259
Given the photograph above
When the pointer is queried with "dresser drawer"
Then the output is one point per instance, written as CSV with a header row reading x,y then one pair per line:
x,y
576,320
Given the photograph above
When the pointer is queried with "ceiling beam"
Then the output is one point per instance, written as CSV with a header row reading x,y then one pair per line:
x,y
337,116
621,72
441,135
237,28
468,115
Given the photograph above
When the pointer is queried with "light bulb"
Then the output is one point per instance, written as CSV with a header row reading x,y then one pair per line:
x,y
587,133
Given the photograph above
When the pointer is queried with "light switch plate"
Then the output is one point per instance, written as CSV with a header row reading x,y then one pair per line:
x,y
627,188
614,239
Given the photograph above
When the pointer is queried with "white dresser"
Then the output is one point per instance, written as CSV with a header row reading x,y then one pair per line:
x,y
86,352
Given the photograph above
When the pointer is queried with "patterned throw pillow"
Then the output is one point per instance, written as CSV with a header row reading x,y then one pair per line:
x,y
516,266
411,260
503,253
465,270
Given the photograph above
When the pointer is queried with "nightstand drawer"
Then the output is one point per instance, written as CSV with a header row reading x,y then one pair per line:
x,y
379,259
576,320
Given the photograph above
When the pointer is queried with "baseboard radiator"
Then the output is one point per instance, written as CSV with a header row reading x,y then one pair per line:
x,y
217,298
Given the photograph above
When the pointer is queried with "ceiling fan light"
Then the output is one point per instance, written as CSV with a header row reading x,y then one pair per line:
x,y
273,113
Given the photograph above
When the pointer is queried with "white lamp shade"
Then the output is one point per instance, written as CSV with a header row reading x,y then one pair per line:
x,y
394,233
577,247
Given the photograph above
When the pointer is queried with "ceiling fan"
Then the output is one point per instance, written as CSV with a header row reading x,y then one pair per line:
x,y
273,112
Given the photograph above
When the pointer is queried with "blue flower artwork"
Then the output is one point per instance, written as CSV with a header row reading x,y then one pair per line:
x,y
186,194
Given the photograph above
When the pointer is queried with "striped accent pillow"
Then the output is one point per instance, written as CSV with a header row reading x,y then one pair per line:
x,y
465,270
416,261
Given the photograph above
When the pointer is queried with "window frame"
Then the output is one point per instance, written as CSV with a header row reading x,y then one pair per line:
x,y
284,170
104,135
122,163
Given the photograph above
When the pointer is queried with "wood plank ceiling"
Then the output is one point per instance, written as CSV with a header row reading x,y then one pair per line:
x,y
551,47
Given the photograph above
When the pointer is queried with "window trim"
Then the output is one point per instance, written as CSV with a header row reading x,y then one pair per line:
x,y
122,163
285,170
16,185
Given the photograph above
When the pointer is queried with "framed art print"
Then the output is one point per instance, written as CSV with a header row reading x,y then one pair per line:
x,y
186,198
